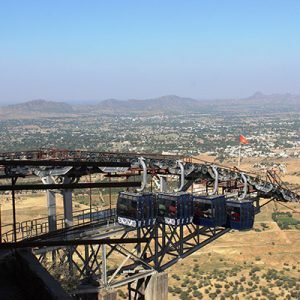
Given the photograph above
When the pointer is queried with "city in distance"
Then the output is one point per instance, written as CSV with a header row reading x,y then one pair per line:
x,y
169,124
255,263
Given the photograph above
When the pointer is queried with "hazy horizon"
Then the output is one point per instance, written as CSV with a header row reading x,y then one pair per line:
x,y
64,50
94,101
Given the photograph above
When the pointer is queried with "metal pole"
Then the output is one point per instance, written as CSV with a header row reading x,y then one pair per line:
x,y
239,159
13,181
109,179
0,226
90,198
104,266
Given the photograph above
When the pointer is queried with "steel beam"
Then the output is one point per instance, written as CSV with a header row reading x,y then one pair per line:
x,y
62,243
53,186
64,163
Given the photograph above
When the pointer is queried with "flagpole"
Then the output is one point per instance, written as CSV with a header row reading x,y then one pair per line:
x,y
239,159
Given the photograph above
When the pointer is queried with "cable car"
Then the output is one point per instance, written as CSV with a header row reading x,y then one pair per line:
x,y
174,209
136,209
240,214
209,210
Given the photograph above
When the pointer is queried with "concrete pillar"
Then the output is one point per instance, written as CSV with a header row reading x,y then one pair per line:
x,y
157,288
51,204
107,295
68,209
51,201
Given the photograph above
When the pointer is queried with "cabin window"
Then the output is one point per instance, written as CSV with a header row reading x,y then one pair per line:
x,y
234,213
167,208
202,210
127,208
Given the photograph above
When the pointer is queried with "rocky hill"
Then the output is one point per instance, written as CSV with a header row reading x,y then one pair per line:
x,y
258,103
170,103
37,106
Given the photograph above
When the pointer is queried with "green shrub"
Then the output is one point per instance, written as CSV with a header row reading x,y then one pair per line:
x,y
218,286
257,258
197,294
212,295
177,290
121,294
185,296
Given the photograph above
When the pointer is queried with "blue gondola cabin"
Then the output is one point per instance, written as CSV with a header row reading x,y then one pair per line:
x,y
174,209
209,211
240,214
136,209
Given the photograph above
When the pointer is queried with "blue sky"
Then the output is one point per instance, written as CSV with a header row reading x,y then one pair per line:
x,y
92,50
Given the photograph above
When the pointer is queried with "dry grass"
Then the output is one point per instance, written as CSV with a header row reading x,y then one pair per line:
x,y
237,253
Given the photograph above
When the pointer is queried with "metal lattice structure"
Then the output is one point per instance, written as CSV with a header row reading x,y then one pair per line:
x,y
122,255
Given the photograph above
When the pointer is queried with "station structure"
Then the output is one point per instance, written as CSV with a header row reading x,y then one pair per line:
x,y
94,252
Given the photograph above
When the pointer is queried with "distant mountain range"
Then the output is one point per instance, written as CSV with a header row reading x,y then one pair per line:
x,y
257,103
169,103
37,106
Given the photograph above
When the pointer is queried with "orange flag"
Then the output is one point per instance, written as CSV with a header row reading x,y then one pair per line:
x,y
243,140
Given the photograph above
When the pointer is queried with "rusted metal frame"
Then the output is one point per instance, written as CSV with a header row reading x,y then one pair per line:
x,y
53,186
64,163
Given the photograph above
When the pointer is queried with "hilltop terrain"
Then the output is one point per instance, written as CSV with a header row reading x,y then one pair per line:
x,y
35,107
257,103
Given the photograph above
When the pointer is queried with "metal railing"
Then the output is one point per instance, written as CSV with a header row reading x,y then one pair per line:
x,y
36,227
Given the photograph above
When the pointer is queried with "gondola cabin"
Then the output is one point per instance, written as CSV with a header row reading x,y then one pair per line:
x,y
209,211
240,214
174,209
136,209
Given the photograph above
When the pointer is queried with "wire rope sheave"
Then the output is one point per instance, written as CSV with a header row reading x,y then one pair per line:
x,y
144,177
181,185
